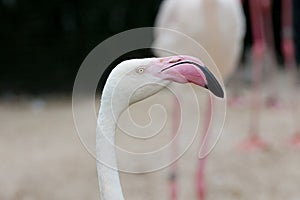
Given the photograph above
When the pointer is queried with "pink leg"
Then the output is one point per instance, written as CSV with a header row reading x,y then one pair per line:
x,y
254,141
290,65
258,50
201,190
273,101
173,187
175,125
236,100
295,139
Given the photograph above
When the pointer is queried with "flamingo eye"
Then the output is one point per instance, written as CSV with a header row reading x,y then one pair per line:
x,y
140,70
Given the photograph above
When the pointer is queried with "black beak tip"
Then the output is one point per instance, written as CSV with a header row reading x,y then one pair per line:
x,y
217,91
212,84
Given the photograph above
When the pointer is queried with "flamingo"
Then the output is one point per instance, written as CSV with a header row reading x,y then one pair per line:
x,y
263,39
219,26
288,50
158,73
261,24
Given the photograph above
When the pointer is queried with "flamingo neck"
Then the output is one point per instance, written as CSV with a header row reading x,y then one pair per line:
x,y
108,176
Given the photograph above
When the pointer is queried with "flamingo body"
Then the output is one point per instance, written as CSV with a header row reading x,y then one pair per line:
x,y
217,25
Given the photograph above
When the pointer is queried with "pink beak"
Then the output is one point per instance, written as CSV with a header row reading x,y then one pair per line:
x,y
187,69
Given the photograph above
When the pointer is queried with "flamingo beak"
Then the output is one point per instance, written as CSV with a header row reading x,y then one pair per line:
x,y
186,69
212,83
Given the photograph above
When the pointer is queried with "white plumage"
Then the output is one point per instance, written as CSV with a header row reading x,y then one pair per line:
x,y
218,25
132,81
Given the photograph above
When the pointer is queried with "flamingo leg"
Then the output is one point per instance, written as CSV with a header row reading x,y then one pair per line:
x,y
288,50
236,99
201,189
200,174
258,51
173,174
254,141
295,139
273,100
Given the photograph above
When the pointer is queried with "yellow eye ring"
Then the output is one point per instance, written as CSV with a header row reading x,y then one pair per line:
x,y
140,70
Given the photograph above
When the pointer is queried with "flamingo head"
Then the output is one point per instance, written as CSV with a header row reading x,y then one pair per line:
x,y
141,78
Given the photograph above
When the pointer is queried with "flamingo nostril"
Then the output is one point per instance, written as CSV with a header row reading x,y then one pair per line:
x,y
175,60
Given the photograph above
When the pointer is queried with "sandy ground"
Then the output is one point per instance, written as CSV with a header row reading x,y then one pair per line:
x,y
43,158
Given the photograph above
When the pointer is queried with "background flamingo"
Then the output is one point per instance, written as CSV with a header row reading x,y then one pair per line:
x,y
263,47
217,25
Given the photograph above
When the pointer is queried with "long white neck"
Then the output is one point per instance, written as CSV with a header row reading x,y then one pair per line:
x,y
108,176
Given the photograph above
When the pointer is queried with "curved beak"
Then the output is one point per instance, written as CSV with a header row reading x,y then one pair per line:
x,y
186,69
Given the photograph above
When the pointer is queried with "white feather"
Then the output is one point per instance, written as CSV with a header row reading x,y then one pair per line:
x,y
218,25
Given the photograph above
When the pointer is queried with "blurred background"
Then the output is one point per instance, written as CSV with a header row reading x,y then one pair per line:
x,y
43,44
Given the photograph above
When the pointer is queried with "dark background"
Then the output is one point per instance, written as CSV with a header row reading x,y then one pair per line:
x,y
44,42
